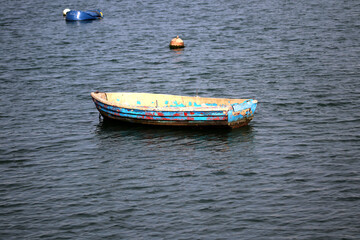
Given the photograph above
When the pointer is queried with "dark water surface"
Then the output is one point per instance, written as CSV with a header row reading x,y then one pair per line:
x,y
293,173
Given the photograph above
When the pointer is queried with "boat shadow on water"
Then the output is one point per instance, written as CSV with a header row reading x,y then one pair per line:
x,y
81,23
111,128
176,152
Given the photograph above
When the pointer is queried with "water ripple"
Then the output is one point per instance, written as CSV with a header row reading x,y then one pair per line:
x,y
293,173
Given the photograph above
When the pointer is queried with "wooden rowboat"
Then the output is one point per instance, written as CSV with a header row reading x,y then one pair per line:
x,y
173,110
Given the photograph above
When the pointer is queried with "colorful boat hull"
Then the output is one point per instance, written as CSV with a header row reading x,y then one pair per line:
x,y
172,110
74,15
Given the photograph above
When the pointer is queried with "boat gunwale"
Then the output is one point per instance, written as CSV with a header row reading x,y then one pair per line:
x,y
96,96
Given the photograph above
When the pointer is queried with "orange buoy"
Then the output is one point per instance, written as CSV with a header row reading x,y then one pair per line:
x,y
176,43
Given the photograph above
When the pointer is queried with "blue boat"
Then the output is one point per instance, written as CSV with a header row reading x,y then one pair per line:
x,y
173,110
74,15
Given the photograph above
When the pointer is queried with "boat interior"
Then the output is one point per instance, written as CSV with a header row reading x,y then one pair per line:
x,y
162,100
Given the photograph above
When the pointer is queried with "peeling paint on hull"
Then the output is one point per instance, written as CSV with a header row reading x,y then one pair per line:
x,y
206,114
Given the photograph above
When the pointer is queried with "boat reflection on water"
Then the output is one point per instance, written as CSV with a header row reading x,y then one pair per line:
x,y
79,23
159,137
173,152
178,50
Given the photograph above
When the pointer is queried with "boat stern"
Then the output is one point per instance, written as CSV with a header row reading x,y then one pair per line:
x,y
241,113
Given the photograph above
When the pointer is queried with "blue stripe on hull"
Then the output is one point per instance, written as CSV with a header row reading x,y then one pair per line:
x,y
197,116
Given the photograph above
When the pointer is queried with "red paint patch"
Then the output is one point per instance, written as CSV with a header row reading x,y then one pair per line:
x,y
216,118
